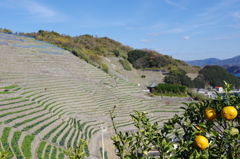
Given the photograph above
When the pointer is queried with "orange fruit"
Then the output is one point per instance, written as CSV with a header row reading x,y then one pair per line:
x,y
201,142
229,113
210,114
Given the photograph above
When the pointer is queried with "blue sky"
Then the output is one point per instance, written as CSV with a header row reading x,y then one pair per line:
x,y
183,29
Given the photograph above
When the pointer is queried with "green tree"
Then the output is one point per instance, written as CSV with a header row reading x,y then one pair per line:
x,y
205,120
179,77
79,152
215,75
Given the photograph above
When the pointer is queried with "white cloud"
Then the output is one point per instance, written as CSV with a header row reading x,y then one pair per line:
x,y
186,37
174,4
34,10
213,11
148,41
154,34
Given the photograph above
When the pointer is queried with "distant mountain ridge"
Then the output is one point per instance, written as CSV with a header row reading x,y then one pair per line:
x,y
202,63
234,61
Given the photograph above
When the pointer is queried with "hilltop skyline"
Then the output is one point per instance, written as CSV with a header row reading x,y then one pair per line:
x,y
183,29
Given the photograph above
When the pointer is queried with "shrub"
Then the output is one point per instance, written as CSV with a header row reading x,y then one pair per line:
x,y
170,88
104,67
220,134
125,65
79,152
116,53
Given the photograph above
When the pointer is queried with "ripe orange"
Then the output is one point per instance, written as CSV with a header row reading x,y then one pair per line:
x,y
201,142
229,112
210,114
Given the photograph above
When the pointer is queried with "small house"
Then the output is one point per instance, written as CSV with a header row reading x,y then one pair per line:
x,y
152,87
219,89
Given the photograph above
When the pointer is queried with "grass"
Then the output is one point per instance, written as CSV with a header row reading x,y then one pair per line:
x,y
12,98
9,87
26,146
171,94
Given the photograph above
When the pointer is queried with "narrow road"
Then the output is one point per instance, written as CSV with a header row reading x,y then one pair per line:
x,y
94,145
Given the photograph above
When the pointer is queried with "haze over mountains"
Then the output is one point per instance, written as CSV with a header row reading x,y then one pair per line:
x,y
232,65
215,61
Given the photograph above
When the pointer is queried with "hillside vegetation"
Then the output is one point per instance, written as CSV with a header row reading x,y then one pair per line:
x,y
50,99
90,48
214,76
149,59
209,75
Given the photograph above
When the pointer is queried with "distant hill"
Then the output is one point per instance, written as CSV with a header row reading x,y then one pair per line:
x,y
232,65
214,76
202,63
232,69
232,61
214,61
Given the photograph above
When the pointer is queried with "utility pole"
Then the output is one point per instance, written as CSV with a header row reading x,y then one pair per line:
x,y
103,156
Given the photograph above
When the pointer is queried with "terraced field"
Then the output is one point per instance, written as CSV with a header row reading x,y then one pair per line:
x,y
49,99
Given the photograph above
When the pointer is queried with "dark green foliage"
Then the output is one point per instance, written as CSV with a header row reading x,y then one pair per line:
x,y
52,131
54,139
199,83
80,128
54,153
166,88
146,59
215,75
44,126
20,116
125,65
4,140
47,152
71,138
134,55
18,106
62,141
179,77
13,102
5,114
31,126
28,120
116,53
86,150
143,76
105,153
40,149
14,143
26,146
61,156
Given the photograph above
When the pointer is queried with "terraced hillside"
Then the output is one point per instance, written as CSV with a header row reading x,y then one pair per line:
x,y
49,99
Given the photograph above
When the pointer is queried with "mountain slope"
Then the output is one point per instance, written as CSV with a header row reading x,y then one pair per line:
x,y
214,61
202,63
50,98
